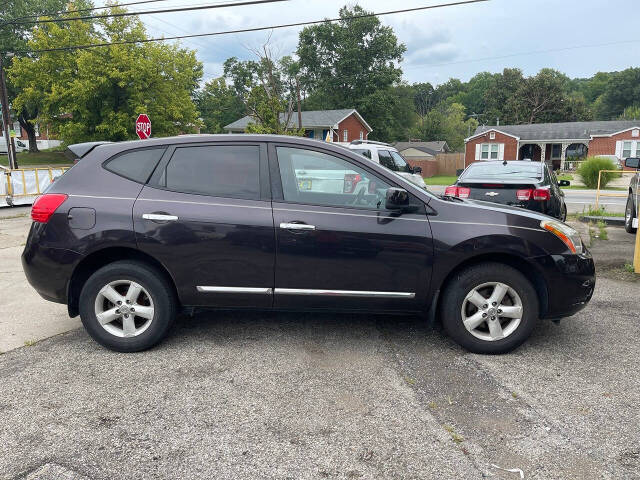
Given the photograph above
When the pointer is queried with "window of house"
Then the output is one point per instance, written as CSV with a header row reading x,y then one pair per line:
x,y
220,171
484,152
492,136
489,151
361,135
626,149
556,150
637,149
311,177
345,135
635,132
136,165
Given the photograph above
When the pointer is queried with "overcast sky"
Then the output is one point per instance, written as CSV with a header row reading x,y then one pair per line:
x,y
457,41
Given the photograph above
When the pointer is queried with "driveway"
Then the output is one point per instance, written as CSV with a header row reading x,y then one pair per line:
x,y
254,395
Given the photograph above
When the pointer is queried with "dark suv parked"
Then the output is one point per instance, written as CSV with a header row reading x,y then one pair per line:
x,y
137,231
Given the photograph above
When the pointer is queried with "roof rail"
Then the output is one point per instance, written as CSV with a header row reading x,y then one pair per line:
x,y
372,142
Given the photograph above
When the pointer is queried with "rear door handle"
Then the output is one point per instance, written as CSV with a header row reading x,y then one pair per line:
x,y
297,226
159,217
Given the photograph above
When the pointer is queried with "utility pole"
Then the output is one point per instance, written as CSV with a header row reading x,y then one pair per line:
x,y
4,100
299,110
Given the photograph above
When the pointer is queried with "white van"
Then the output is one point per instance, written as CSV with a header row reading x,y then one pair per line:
x,y
389,157
20,145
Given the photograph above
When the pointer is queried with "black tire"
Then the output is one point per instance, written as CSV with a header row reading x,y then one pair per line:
x,y
468,279
629,215
161,293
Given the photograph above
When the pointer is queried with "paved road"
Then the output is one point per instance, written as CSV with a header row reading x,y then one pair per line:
x,y
576,200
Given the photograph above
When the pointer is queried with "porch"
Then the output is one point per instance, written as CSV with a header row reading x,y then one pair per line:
x,y
560,155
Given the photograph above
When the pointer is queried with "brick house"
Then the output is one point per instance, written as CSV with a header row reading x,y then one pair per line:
x,y
554,143
341,125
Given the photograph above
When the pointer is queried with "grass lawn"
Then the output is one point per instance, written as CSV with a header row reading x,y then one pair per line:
x,y
441,180
26,159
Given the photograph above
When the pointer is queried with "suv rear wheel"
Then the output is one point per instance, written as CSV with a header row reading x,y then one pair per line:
x,y
629,215
489,308
127,306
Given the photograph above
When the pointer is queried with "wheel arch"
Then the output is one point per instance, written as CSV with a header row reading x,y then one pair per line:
x,y
528,269
98,259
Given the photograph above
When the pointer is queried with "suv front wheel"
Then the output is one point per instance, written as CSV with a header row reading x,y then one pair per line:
x,y
489,308
629,215
127,306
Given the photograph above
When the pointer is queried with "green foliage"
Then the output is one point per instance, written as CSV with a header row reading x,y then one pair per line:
x,y
96,94
590,168
353,64
631,113
445,123
219,105
621,91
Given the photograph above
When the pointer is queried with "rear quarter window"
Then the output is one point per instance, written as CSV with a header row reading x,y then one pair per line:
x,y
136,165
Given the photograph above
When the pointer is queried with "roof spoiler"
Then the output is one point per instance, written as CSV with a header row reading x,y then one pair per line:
x,y
79,150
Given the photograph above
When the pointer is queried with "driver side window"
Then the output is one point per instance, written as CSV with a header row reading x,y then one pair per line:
x,y
317,178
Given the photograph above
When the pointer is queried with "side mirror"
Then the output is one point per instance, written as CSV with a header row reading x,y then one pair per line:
x,y
564,183
632,163
397,199
417,169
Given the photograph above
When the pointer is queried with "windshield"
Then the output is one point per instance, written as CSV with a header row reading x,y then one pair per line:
x,y
509,171
400,162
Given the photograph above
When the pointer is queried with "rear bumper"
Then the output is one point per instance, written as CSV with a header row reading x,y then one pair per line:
x,y
570,280
49,270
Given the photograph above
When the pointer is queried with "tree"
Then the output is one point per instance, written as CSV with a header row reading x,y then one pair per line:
x,y
352,63
268,90
622,90
96,93
447,122
218,105
14,37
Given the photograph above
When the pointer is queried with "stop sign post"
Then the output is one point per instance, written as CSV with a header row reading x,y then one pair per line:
x,y
143,126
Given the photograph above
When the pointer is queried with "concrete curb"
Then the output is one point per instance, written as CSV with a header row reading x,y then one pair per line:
x,y
613,221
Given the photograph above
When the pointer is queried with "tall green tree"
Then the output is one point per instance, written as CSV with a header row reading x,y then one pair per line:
x,y
14,37
96,93
219,105
622,90
446,122
352,63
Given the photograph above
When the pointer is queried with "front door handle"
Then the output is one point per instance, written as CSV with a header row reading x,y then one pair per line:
x,y
159,217
297,226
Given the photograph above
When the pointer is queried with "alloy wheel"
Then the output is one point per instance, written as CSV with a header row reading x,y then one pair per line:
x,y
492,311
124,308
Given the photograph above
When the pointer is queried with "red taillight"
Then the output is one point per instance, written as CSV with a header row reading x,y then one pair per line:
x,y
451,191
350,182
460,192
541,194
45,206
524,194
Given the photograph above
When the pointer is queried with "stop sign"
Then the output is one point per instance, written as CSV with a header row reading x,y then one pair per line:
x,y
143,126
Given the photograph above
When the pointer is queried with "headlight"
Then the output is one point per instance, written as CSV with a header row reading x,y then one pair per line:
x,y
564,232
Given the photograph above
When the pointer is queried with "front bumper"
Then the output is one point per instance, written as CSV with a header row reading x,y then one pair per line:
x,y
570,280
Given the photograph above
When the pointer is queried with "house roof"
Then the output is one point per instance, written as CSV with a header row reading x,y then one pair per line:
x,y
312,118
560,131
430,147
425,147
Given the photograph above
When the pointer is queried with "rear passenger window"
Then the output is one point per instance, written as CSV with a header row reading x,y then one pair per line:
x,y
219,171
136,165
386,160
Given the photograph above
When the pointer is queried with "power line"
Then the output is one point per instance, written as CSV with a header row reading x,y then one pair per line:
x,y
60,12
534,52
253,29
145,12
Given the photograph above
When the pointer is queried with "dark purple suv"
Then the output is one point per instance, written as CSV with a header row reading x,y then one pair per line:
x,y
137,231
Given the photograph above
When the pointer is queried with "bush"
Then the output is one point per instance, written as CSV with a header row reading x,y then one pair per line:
x,y
589,169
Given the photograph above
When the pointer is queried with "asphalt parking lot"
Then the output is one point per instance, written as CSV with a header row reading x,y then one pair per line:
x,y
255,395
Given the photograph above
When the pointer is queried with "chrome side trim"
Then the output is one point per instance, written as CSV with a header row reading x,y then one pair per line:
x,y
343,293
101,197
209,289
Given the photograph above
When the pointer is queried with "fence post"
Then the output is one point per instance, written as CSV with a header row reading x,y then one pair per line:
x,y
598,190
